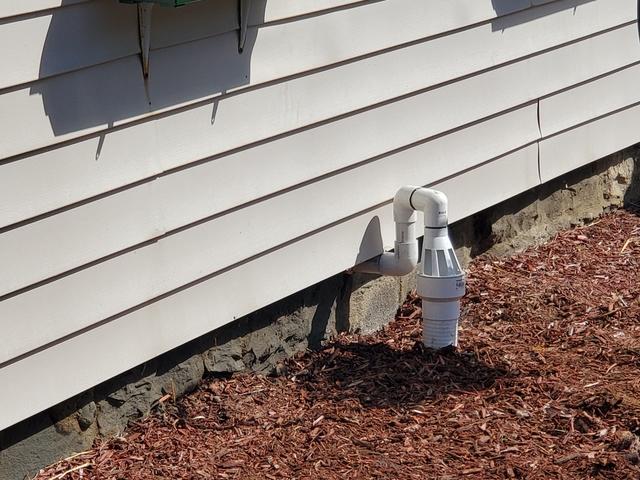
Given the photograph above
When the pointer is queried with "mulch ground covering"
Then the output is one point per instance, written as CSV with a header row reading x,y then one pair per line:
x,y
544,385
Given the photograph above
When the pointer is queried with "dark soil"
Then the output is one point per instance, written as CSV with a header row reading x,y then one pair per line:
x,y
544,385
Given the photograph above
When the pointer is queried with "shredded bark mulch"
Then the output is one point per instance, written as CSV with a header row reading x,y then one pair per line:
x,y
544,385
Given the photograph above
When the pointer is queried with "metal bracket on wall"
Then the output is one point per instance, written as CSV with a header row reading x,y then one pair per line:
x,y
144,33
144,29
244,9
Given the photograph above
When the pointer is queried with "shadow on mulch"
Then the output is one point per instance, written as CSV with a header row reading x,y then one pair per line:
x,y
632,195
633,207
378,375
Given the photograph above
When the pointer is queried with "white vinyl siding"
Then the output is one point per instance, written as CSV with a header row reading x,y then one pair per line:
x,y
137,215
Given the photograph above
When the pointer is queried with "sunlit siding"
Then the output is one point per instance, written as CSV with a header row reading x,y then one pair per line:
x,y
137,214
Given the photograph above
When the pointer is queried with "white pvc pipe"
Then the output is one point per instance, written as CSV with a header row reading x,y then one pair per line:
x,y
433,204
441,282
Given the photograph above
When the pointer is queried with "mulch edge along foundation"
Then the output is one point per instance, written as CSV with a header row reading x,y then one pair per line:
x,y
543,385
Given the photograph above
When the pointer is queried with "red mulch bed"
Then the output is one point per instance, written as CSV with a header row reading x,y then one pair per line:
x,y
544,385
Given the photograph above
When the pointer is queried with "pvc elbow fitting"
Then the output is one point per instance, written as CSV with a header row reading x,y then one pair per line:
x,y
401,262
433,204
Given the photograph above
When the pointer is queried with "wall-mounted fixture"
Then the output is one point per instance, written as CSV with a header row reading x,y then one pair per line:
x,y
144,23
441,281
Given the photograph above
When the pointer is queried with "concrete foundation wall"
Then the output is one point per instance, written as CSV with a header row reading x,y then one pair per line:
x,y
262,340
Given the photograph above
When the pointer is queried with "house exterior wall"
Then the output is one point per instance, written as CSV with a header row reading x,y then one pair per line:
x,y
138,214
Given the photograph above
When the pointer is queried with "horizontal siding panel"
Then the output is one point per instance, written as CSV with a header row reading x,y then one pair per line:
x,y
285,49
365,19
59,177
66,39
508,176
206,19
262,11
176,319
275,10
77,96
590,100
171,26
171,262
20,7
589,142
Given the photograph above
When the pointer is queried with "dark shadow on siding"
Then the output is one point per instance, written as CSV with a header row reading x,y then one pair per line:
x,y
102,95
532,10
